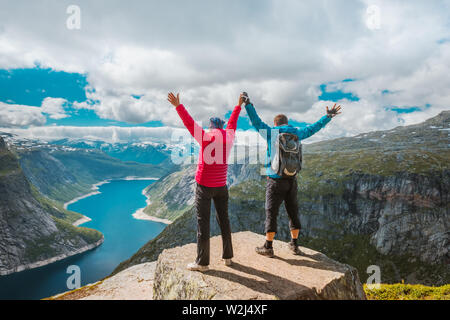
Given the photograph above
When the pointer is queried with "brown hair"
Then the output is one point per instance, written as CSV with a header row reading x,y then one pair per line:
x,y
280,119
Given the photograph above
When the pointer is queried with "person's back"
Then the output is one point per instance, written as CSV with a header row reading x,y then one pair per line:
x,y
281,125
281,189
215,145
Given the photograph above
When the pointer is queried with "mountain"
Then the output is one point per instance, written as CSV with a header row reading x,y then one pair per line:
x,y
34,230
380,198
142,152
63,173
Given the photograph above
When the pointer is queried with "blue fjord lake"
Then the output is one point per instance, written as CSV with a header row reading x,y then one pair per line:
x,y
111,213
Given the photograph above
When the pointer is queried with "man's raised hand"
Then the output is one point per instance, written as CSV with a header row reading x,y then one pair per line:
x,y
175,101
242,99
334,111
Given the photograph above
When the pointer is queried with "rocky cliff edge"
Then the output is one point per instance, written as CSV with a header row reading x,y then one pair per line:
x,y
312,276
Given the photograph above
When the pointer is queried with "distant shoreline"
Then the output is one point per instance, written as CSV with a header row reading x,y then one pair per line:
x,y
141,215
82,220
60,257
95,190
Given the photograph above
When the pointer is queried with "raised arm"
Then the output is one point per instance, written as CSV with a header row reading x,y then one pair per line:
x,y
304,133
256,121
194,129
232,122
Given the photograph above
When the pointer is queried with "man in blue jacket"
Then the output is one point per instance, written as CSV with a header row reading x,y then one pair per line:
x,y
279,189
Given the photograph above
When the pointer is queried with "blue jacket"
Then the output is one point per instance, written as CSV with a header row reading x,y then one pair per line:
x,y
271,133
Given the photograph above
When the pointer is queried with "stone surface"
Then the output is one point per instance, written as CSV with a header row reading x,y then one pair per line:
x,y
253,276
135,283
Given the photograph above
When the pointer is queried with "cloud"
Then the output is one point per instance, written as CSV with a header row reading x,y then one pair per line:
x,y
279,52
12,115
54,108
108,134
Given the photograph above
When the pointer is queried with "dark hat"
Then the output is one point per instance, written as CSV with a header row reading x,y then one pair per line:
x,y
216,123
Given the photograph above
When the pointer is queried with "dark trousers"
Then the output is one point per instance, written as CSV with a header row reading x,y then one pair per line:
x,y
203,197
277,191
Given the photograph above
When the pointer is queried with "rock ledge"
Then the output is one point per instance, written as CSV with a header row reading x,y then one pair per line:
x,y
313,276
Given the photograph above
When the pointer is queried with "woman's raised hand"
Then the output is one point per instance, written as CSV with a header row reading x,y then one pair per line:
x,y
175,101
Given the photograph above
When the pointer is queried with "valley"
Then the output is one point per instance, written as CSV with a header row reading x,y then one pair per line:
x,y
380,198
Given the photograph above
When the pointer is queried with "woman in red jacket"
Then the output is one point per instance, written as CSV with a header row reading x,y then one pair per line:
x,y
211,177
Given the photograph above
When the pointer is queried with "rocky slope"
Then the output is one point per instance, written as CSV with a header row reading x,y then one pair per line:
x,y
380,198
33,230
251,277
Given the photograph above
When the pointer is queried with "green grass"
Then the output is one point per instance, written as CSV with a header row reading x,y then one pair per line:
x,y
338,164
87,234
401,291
251,189
44,248
159,210
55,208
8,163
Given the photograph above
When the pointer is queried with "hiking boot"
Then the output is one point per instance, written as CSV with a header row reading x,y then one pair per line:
x,y
196,267
228,262
295,249
265,251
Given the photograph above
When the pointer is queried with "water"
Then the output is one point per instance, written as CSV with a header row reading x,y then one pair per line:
x,y
111,213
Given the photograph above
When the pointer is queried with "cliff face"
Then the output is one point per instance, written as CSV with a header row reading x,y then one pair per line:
x,y
380,198
403,213
32,232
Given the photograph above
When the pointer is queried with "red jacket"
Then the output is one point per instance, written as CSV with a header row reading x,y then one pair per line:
x,y
215,146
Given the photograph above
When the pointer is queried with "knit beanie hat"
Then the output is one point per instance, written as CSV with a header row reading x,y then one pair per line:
x,y
216,123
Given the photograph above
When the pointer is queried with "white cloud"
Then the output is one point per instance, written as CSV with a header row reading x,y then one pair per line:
x,y
279,52
108,134
357,117
12,115
54,107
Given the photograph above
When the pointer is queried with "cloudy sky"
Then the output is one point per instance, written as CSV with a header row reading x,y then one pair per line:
x,y
386,62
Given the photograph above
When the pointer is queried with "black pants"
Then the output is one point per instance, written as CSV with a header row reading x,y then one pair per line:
x,y
277,191
203,197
